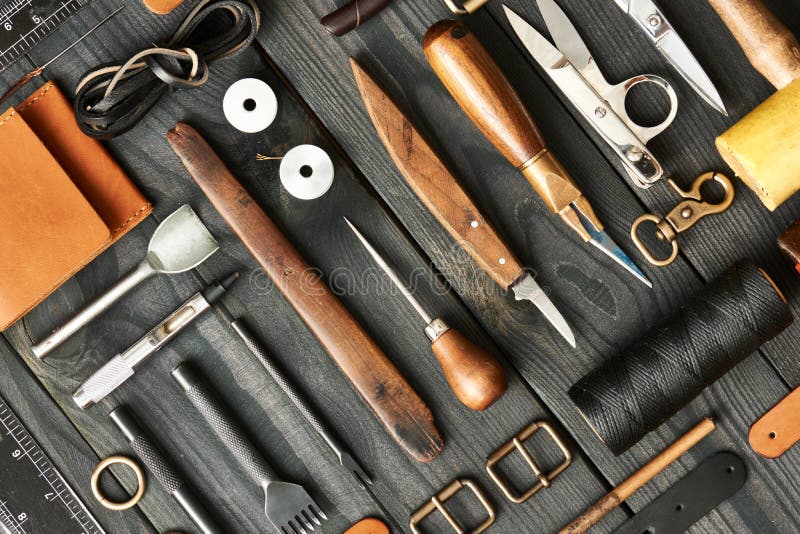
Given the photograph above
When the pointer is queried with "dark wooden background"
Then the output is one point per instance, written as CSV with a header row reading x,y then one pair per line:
x,y
319,104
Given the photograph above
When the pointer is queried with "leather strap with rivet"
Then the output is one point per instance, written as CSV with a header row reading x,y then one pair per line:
x,y
690,499
778,429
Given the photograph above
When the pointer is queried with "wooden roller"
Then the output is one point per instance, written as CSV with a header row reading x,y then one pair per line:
x,y
763,147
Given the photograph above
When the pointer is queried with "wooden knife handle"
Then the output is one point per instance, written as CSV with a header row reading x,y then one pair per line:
x,y
482,90
352,15
404,415
487,97
768,44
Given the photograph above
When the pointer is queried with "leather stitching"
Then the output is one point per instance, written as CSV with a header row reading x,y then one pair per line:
x,y
10,116
131,218
47,88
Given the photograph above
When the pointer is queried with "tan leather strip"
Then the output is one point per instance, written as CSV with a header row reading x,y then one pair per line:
x,y
778,429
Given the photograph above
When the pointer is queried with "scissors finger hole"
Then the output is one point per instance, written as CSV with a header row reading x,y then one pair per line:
x,y
646,103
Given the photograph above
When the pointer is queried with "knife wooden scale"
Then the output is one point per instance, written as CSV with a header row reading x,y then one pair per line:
x,y
392,399
441,193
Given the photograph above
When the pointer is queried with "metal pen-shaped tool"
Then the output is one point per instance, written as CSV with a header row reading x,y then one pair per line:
x,y
122,366
347,461
474,375
180,243
655,25
160,467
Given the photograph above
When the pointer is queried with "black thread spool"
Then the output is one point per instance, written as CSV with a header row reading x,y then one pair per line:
x,y
633,393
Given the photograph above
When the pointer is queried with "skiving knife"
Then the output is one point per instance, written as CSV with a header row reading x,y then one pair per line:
x,y
655,25
441,193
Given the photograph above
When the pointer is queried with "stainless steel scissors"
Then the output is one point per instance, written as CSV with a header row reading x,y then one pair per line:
x,y
655,25
574,70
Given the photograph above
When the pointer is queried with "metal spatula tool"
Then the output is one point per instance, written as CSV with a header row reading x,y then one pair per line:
x,y
180,243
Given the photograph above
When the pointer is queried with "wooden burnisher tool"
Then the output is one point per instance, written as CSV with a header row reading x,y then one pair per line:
x,y
763,148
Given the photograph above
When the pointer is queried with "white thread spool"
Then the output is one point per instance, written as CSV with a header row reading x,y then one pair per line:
x,y
250,105
306,172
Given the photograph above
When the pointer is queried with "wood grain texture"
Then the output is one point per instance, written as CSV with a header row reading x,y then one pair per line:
x,y
616,310
482,90
475,376
435,186
607,308
769,45
395,403
321,236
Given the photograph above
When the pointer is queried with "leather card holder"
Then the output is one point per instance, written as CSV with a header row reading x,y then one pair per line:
x,y
65,201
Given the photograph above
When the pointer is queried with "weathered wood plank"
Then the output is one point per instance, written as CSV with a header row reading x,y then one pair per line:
x,y
320,234
593,294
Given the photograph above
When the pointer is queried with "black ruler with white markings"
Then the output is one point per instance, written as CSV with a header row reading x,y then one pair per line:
x,y
23,23
34,497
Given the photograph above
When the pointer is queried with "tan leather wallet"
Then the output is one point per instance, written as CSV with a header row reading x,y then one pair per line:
x,y
65,200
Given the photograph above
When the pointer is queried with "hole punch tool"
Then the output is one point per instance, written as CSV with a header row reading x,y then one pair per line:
x,y
572,68
686,214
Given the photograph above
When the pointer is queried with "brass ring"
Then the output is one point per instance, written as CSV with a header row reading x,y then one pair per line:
x,y
102,466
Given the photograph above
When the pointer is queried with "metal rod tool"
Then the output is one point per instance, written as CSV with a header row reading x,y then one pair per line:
x,y
122,366
180,243
474,375
157,463
297,398
288,506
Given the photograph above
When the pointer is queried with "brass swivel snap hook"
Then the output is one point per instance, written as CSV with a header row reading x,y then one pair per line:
x,y
685,215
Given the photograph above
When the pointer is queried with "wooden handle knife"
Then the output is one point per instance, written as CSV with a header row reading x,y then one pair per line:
x,y
404,415
435,186
768,44
448,202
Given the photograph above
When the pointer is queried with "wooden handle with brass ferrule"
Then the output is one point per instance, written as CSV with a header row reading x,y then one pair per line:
x,y
768,44
485,94
392,399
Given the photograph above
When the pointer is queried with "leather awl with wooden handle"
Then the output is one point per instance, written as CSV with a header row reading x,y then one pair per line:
x,y
392,399
762,148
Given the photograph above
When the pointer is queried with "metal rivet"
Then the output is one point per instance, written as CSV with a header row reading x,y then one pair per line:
x,y
501,261
600,112
686,213
654,21
474,224
634,154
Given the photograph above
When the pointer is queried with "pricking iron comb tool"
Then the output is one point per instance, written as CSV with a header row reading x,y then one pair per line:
x,y
573,69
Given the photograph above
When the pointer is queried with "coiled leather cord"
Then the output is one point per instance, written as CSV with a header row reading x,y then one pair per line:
x,y
111,100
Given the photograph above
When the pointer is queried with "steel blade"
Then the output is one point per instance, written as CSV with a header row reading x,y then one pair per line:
x,y
526,288
603,242
678,54
547,55
564,34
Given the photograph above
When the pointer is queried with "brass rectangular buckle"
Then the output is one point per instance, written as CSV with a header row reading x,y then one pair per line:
x,y
518,443
437,503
